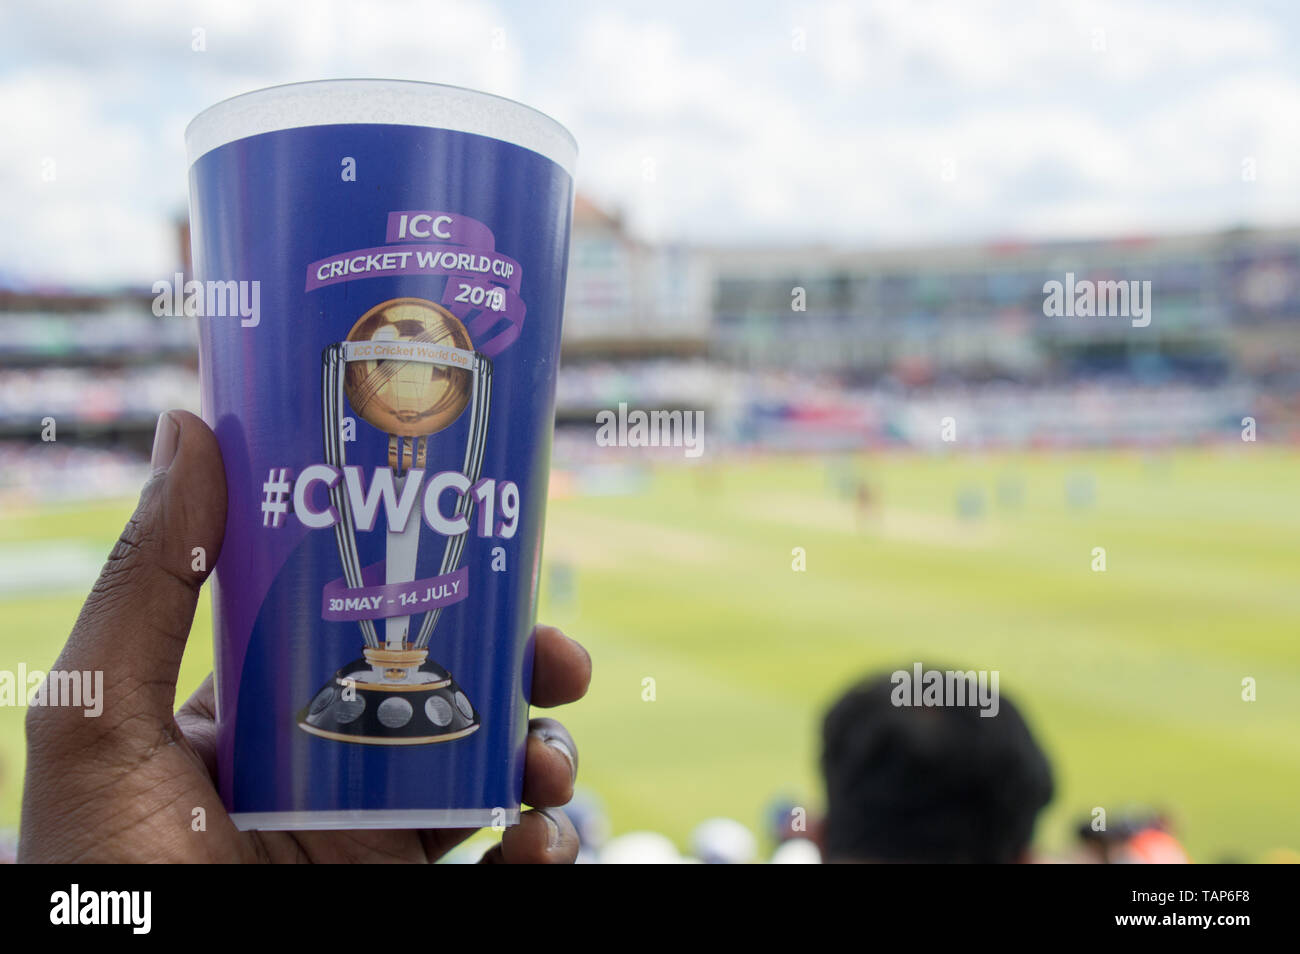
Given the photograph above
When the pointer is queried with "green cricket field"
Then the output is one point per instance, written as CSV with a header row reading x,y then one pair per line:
x,y
1143,610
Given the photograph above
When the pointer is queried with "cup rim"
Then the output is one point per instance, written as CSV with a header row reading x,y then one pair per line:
x,y
411,103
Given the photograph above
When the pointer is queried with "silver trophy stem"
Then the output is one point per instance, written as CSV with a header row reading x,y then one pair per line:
x,y
479,410
345,533
401,548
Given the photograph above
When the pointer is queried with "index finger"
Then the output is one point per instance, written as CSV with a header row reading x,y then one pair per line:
x,y
561,668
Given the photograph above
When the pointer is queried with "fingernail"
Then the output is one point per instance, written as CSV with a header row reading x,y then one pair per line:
x,y
552,830
559,746
166,438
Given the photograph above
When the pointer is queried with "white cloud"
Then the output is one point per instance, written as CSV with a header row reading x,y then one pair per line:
x,y
107,92
1044,133
80,201
1006,43
747,137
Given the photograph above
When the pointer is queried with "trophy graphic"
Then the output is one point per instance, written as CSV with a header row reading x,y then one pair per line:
x,y
395,694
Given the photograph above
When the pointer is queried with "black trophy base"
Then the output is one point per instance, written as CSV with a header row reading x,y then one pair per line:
x,y
352,707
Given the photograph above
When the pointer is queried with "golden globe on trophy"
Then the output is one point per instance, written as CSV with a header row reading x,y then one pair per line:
x,y
408,368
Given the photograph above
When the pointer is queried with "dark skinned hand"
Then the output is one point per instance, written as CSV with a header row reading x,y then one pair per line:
x,y
123,787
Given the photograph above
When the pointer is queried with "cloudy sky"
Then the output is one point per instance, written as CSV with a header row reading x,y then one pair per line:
x,y
768,122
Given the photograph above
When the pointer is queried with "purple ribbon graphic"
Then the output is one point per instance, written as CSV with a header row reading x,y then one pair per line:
x,y
379,600
482,287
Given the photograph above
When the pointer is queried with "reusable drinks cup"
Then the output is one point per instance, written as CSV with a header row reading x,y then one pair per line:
x,y
379,273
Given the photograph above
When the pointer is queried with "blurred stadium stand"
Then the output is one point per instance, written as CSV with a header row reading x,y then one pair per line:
x,y
1225,303
889,341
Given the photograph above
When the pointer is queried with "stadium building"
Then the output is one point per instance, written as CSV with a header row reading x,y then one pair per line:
x,y
788,348
1221,304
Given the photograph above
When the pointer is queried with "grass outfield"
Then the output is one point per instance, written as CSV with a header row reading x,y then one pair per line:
x,y
1131,677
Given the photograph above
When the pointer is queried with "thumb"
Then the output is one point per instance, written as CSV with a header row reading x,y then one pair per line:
x,y
135,622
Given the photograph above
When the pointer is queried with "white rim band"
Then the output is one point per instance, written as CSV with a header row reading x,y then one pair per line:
x,y
379,818
395,102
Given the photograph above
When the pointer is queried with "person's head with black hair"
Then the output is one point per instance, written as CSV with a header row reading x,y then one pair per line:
x,y
908,782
